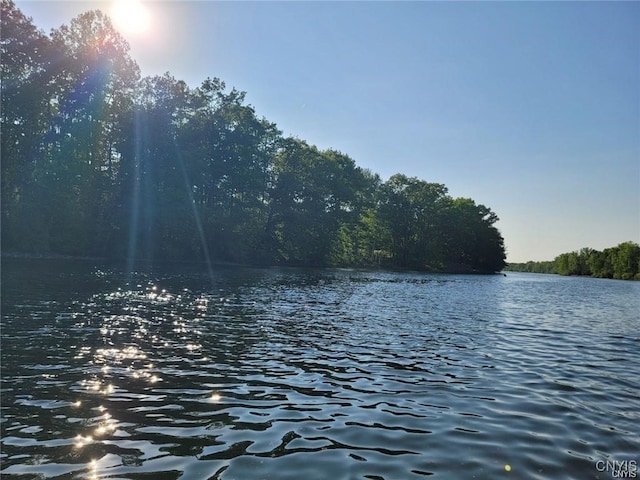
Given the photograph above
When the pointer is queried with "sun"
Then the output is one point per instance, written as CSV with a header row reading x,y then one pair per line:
x,y
130,17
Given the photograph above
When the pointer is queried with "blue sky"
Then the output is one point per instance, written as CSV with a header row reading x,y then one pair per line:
x,y
531,108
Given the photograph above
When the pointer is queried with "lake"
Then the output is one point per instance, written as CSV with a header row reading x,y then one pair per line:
x,y
315,374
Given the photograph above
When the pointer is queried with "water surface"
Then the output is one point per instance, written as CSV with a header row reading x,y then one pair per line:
x,y
315,374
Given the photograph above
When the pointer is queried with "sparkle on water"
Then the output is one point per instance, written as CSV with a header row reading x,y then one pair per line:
x,y
316,374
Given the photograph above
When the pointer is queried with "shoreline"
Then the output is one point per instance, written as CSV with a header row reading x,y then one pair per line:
x,y
51,256
46,256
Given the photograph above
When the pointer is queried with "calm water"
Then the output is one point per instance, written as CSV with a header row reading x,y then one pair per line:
x,y
315,374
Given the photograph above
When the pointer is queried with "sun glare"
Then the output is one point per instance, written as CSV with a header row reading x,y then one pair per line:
x,y
130,17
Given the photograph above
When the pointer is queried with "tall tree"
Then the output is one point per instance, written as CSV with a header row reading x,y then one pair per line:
x,y
472,242
626,261
361,237
411,209
229,151
313,195
95,80
95,161
154,206
25,121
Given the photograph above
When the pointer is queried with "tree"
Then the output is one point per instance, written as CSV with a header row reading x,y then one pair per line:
x,y
625,259
362,240
62,101
25,120
621,262
472,241
229,152
599,263
96,161
314,193
154,208
411,209
94,84
531,267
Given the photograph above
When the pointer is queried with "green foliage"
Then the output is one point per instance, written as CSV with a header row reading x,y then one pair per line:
x,y
62,101
532,267
96,161
620,262
625,259
314,201
429,230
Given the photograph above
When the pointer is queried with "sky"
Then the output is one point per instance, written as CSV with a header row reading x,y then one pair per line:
x,y
530,108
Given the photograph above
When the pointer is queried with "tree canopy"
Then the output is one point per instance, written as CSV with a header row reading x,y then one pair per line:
x,y
620,262
97,161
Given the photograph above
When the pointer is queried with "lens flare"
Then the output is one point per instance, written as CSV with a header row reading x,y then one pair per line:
x,y
130,17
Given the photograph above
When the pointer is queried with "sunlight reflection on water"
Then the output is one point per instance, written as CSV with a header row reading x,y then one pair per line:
x,y
318,374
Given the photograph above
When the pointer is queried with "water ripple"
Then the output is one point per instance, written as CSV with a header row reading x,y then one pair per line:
x,y
318,374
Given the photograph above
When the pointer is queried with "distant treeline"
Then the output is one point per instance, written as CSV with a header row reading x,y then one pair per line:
x,y
621,262
97,161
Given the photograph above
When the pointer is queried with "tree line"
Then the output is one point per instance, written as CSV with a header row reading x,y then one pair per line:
x,y
99,161
620,262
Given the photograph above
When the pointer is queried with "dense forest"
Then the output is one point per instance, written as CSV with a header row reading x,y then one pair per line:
x,y
621,262
99,161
